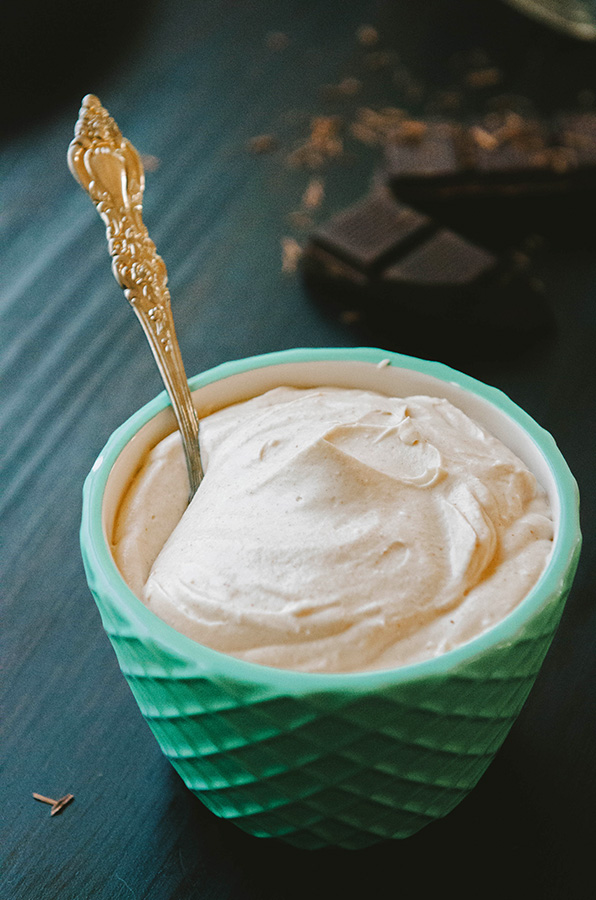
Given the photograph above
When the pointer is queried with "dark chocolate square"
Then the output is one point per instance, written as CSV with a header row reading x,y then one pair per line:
x,y
369,232
446,259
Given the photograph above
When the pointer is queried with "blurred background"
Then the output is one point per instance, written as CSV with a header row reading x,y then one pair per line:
x,y
220,98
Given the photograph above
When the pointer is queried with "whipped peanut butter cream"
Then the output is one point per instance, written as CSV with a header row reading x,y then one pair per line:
x,y
335,530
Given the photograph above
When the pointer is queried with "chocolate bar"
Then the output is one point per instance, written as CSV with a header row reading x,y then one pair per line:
x,y
433,290
507,155
498,178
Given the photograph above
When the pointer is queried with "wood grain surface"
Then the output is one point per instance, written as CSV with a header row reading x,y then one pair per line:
x,y
191,84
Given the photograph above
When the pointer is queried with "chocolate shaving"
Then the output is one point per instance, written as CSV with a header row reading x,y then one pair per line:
x,y
263,143
291,253
314,194
367,35
57,805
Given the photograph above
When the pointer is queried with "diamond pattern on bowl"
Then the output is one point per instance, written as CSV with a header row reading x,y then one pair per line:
x,y
338,767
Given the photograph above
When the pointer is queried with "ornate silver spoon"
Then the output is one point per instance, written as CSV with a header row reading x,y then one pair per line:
x,y
110,170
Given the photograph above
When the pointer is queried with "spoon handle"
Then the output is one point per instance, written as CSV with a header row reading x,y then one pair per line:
x,y
109,168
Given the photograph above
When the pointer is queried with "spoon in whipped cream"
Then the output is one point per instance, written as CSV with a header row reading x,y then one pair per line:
x,y
109,168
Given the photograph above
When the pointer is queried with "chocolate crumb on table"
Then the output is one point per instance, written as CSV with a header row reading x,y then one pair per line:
x,y
150,162
56,805
291,253
485,77
367,35
263,143
348,87
323,143
314,193
373,126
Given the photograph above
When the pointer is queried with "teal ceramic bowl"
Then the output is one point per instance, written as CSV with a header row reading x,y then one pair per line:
x,y
329,759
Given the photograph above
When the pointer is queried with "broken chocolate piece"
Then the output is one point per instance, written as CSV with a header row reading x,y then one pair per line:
x,y
508,154
432,290
499,178
371,231
443,273
445,258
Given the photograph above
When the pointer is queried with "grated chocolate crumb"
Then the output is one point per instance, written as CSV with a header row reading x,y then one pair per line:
x,y
482,78
276,40
291,251
263,143
367,35
314,193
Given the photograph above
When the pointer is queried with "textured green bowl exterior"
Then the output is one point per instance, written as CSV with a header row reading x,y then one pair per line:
x,y
344,760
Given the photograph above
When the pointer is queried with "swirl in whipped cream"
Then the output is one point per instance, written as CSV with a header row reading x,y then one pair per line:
x,y
335,530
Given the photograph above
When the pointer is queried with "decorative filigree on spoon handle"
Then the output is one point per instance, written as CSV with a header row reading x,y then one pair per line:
x,y
110,170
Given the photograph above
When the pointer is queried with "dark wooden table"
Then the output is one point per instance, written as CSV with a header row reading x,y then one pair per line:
x,y
191,84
